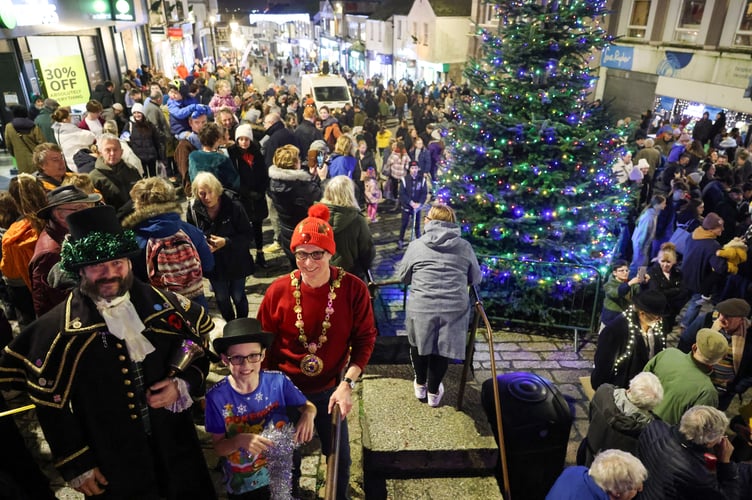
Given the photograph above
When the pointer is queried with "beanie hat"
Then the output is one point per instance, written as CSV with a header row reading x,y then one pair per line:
x,y
712,346
137,108
666,129
244,130
712,221
315,230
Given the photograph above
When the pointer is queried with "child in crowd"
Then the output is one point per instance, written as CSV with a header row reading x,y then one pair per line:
x,y
241,406
619,289
413,193
373,194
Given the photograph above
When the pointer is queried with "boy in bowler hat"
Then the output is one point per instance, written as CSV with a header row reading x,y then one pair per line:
x,y
247,402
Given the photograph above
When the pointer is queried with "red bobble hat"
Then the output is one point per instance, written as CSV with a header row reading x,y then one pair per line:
x,y
315,230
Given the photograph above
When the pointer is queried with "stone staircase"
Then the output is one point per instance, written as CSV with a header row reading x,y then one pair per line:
x,y
413,451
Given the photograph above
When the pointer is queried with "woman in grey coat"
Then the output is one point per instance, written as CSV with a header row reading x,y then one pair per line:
x,y
438,267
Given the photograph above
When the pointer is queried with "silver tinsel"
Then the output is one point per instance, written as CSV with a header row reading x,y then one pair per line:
x,y
279,460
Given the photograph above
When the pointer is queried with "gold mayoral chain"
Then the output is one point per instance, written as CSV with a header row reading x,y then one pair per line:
x,y
311,365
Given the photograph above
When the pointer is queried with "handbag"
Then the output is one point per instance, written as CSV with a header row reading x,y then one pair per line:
x,y
680,237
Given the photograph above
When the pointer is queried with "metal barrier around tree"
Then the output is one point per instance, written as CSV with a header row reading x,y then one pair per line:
x,y
556,295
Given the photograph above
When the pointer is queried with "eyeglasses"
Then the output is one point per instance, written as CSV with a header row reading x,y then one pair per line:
x,y
251,358
317,255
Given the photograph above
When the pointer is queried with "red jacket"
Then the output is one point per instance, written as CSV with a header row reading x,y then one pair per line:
x,y
46,255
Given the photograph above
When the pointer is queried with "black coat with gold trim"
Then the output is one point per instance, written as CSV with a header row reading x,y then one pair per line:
x,y
81,379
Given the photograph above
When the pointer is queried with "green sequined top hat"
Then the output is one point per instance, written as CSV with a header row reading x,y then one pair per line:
x,y
95,236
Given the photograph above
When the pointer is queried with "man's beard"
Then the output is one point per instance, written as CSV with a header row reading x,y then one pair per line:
x,y
91,288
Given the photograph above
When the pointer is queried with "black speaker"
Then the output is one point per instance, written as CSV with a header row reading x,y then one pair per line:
x,y
536,419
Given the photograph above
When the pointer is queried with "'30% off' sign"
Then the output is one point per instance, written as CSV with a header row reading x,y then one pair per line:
x,y
64,79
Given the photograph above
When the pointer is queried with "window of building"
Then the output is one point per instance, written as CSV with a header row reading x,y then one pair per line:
x,y
381,28
425,33
415,32
744,32
638,19
690,19
399,30
490,11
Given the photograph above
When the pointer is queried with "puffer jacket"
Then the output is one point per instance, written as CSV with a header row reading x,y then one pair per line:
x,y
71,140
677,468
144,140
292,192
355,249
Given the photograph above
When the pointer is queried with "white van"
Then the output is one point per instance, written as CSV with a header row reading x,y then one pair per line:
x,y
331,91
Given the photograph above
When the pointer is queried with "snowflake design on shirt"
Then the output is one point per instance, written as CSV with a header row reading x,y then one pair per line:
x,y
259,397
242,409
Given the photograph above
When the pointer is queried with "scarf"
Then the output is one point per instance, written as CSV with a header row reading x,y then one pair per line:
x,y
124,323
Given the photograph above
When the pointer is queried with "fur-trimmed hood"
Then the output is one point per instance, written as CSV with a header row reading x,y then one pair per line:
x,y
143,214
286,175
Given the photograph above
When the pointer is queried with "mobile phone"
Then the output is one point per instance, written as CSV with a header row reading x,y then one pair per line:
x,y
641,271
320,159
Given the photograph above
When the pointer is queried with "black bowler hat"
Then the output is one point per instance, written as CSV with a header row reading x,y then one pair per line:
x,y
66,194
95,236
242,331
651,301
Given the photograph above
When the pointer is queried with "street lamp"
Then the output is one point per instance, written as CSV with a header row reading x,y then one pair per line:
x,y
213,22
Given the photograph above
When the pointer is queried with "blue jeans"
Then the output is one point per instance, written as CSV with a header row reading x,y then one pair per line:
x,y
323,424
226,291
693,309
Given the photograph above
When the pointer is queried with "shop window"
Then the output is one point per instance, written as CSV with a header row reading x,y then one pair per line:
x,y
744,33
690,19
638,19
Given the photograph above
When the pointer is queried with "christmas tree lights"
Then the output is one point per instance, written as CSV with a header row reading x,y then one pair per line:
x,y
529,168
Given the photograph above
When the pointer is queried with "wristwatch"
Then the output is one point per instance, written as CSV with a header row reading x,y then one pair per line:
x,y
349,382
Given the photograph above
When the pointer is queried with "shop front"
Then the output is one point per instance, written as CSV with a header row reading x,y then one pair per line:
x,y
62,49
380,64
683,83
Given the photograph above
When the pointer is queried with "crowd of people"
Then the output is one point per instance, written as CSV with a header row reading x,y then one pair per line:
x,y
681,272
122,217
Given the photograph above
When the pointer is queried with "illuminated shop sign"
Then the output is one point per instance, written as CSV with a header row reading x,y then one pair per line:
x,y
112,10
27,14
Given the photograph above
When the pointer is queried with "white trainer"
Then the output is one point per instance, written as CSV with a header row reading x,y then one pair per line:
x,y
435,399
420,390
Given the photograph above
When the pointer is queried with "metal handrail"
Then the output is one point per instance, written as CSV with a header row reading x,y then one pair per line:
x,y
332,461
480,313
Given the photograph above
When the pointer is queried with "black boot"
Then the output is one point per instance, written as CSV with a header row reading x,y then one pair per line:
x,y
260,260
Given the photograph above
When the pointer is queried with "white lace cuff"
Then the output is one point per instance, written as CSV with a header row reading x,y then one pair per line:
x,y
77,481
184,400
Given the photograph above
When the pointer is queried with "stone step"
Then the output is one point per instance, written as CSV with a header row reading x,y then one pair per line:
x,y
405,438
443,488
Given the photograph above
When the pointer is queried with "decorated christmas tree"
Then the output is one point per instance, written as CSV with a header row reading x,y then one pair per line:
x,y
529,168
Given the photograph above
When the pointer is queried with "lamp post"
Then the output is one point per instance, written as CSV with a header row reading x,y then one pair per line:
x,y
213,22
